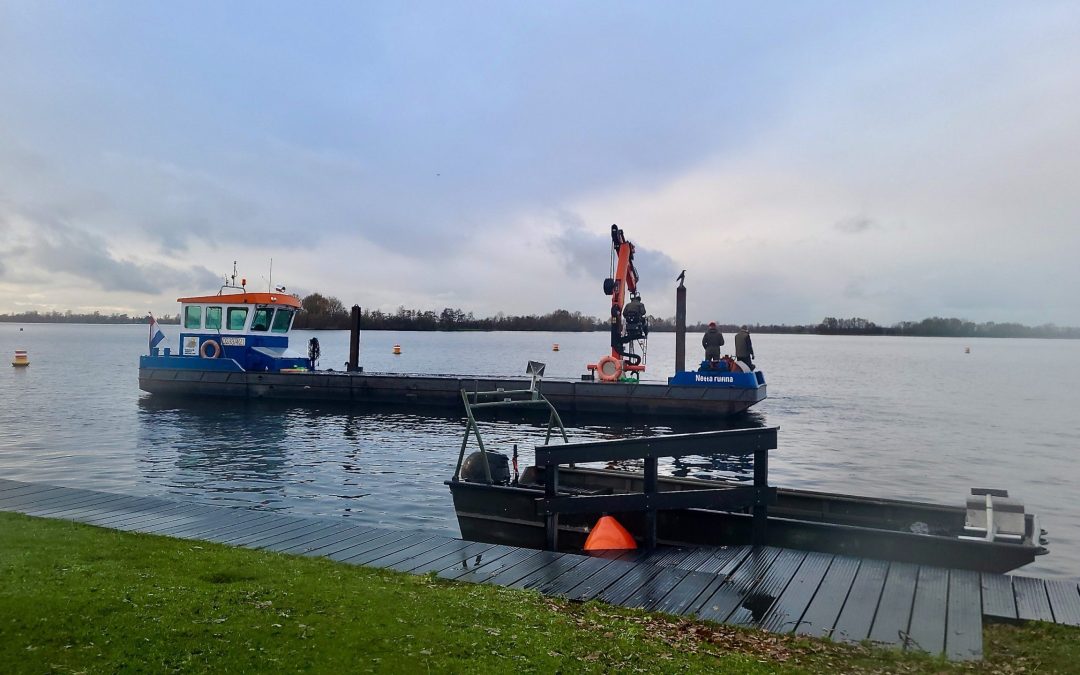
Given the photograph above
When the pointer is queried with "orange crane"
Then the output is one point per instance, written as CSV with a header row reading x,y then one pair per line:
x,y
629,327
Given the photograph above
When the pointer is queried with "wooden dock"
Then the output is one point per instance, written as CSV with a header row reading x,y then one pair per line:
x,y
915,607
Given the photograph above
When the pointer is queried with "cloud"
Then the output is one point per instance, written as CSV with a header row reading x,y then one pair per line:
x,y
582,252
65,249
855,224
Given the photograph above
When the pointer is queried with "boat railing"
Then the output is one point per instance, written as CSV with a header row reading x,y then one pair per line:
x,y
506,398
757,496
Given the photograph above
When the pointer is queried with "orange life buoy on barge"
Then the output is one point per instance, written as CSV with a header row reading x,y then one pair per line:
x,y
608,369
210,350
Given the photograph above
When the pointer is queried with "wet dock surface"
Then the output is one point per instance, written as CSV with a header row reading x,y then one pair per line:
x,y
931,609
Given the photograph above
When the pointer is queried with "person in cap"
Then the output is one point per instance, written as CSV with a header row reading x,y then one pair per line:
x,y
744,348
712,341
634,314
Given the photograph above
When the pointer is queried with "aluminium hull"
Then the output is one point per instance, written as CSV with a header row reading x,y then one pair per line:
x,y
828,523
568,396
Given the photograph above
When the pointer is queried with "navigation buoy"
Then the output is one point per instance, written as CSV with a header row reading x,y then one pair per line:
x,y
555,347
21,358
967,350
608,534
397,349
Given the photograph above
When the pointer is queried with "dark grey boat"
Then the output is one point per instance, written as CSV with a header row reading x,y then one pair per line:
x,y
990,533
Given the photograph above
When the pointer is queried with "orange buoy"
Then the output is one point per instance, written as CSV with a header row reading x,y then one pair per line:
x,y
555,347
608,534
21,358
397,349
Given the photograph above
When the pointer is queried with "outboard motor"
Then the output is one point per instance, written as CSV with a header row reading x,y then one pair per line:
x,y
472,469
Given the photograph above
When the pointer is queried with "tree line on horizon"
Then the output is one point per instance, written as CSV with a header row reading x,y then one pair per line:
x,y
321,312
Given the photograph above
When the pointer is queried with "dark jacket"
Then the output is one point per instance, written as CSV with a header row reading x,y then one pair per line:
x,y
744,348
634,311
712,341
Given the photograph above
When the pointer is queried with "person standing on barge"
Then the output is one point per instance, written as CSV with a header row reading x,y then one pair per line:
x,y
744,347
712,341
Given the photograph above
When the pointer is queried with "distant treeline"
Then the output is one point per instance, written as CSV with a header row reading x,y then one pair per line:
x,y
321,312
92,317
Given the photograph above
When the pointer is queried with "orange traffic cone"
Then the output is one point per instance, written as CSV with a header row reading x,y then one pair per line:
x,y
608,535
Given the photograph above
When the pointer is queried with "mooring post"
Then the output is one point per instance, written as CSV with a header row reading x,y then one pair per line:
x,y
652,469
354,340
551,520
760,536
680,328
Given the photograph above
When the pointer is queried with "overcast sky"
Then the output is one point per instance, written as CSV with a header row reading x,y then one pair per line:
x,y
799,159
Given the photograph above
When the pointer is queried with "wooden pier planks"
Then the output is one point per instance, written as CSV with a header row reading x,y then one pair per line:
x,y
1064,601
963,629
786,612
824,609
857,615
926,630
998,601
1032,601
925,608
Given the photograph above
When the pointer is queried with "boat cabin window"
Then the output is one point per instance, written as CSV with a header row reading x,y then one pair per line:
x,y
261,322
192,316
282,320
213,318
237,317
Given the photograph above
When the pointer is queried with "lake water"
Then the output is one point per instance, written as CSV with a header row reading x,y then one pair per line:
x,y
913,418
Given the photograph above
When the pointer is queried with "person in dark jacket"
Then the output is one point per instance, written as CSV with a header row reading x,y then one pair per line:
x,y
634,314
712,341
744,348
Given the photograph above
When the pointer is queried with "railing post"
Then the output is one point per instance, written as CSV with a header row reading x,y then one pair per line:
x,y
761,483
551,520
651,471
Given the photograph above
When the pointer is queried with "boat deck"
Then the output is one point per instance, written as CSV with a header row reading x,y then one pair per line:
x,y
915,607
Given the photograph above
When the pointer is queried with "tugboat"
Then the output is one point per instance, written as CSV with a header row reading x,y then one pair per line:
x,y
231,332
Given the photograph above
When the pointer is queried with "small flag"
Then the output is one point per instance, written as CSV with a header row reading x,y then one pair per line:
x,y
156,334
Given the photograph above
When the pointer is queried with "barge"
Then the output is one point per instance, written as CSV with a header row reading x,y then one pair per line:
x,y
235,344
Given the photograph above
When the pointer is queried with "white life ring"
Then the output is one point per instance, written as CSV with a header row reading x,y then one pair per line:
x,y
208,347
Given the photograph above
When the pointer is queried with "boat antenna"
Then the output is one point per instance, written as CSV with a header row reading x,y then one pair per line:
x,y
270,281
234,273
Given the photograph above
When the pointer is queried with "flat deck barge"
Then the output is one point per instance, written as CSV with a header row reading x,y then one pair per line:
x,y
570,396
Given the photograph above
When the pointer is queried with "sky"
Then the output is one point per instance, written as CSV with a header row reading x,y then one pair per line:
x,y
885,160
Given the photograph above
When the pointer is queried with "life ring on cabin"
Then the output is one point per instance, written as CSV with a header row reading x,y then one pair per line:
x,y
608,369
210,350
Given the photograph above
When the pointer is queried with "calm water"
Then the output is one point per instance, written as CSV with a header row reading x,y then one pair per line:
x,y
898,417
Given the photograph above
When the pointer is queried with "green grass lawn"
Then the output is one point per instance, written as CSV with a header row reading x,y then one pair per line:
x,y
75,598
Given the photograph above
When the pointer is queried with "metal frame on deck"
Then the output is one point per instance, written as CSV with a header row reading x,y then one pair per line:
x,y
535,399
758,496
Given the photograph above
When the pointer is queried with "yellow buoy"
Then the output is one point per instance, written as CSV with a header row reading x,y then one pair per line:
x,y
21,359
555,347
397,349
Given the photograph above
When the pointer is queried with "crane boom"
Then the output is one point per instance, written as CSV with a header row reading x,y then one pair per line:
x,y
628,323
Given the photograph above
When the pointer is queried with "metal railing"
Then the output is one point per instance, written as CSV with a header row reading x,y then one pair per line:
x,y
757,496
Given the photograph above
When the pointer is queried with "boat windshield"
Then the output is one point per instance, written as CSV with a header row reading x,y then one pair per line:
x,y
261,322
281,321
